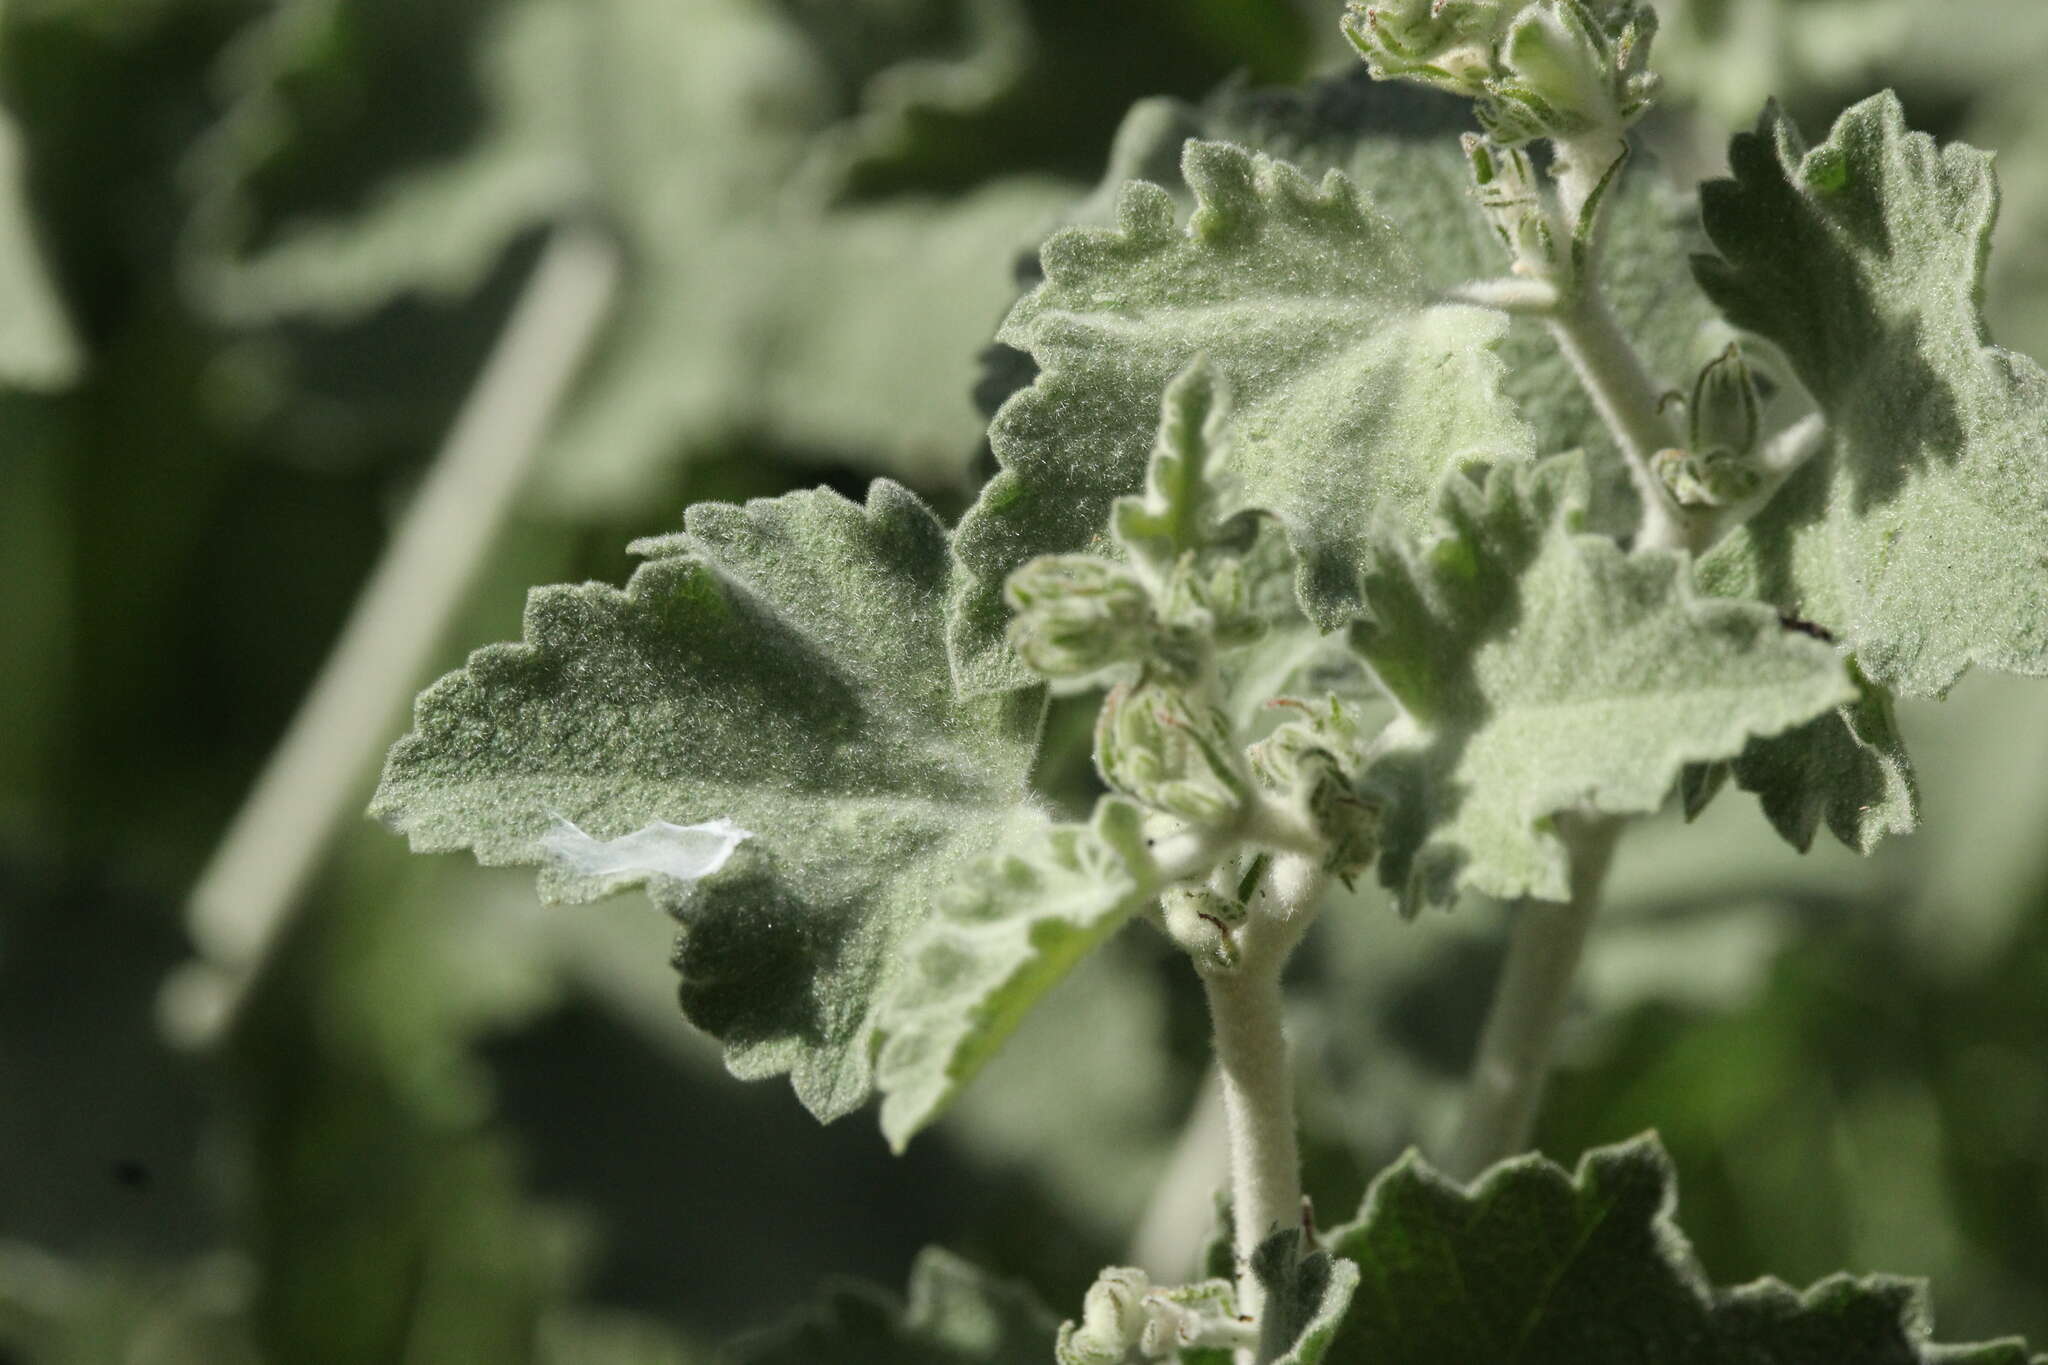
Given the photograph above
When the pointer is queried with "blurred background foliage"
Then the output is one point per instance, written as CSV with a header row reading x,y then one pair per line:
x,y
252,256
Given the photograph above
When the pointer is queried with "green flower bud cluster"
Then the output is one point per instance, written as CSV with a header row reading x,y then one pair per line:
x,y
1124,1313
1314,761
1078,617
1538,68
1724,419
1163,748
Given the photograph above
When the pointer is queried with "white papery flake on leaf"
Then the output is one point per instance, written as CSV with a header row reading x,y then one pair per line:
x,y
658,848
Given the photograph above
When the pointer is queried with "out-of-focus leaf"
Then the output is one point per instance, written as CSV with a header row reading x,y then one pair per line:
x,y
956,1315
37,347
57,1312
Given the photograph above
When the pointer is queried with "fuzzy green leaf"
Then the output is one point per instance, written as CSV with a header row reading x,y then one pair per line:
x,y
1533,1265
1920,535
1351,391
1541,670
1847,769
1018,922
780,666
956,1316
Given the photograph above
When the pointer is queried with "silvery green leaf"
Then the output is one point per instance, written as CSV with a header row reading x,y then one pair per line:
x,y
1308,1293
956,1315
1010,930
1533,1264
1351,390
1847,769
1919,536
1542,670
778,666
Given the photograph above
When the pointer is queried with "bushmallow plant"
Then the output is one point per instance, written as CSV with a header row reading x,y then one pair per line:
x,y
1395,549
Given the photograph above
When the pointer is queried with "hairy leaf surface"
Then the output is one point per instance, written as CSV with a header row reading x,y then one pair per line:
x,y
1540,670
780,666
1920,535
1532,1264
1351,391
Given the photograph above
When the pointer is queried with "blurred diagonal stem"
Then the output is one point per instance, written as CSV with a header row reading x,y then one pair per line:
x,y
315,780
1545,943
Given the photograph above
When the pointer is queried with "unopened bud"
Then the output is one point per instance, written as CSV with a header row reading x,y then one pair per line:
x,y
1077,615
1156,747
1511,201
1313,762
1448,44
1726,411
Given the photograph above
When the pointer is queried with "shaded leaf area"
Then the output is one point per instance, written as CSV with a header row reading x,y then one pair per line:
x,y
955,1315
1400,143
1848,770
787,181
1535,1264
1351,391
1019,922
1539,670
1920,535
779,665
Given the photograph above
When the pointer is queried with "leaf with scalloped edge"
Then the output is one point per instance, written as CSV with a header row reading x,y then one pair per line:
x,y
1848,769
1919,536
1351,390
1534,1265
956,1315
1540,670
1013,927
778,665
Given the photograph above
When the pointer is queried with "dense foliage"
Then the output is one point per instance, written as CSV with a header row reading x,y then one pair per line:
x,y
1159,363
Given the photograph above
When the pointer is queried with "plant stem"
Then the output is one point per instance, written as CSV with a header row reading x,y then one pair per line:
x,y
1609,369
1544,946
1245,1007
314,781
1626,398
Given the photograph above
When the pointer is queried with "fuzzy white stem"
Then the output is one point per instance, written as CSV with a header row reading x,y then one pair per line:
x,y
314,781
1513,294
1245,1008
1626,398
1545,942
1779,460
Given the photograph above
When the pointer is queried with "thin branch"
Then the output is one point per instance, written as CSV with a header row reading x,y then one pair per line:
x,y
315,780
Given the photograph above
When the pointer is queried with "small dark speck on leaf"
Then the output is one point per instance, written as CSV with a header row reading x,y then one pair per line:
x,y
131,1175
1804,627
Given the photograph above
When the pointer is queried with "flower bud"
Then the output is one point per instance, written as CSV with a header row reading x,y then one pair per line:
x,y
1077,615
1448,44
1726,409
1161,750
1313,762
1511,200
